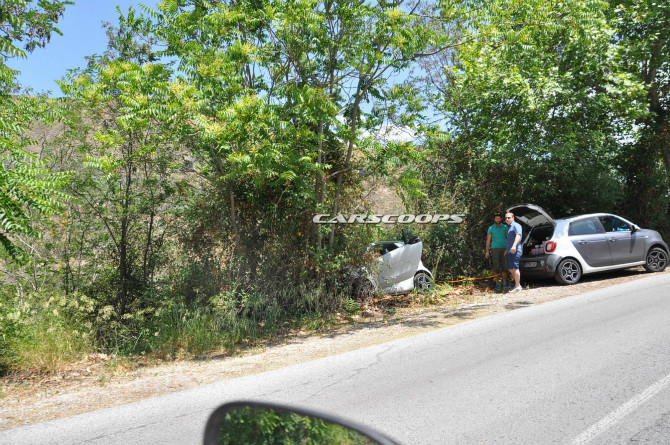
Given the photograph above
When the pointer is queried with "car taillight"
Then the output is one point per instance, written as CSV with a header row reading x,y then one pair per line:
x,y
550,246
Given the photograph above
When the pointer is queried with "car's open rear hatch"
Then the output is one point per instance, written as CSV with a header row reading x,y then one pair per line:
x,y
531,215
538,226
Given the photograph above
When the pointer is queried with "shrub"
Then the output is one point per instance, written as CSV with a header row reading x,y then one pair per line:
x,y
44,333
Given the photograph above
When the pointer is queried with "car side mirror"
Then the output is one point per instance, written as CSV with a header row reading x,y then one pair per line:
x,y
263,423
634,228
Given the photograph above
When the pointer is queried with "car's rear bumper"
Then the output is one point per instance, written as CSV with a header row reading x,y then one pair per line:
x,y
538,266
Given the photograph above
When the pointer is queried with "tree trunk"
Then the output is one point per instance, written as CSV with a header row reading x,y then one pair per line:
x,y
233,217
123,267
350,151
66,257
663,132
320,183
148,254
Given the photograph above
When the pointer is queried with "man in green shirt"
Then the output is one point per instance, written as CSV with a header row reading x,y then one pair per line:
x,y
495,248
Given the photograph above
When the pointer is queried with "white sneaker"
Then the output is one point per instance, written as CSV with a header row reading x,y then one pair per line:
x,y
517,289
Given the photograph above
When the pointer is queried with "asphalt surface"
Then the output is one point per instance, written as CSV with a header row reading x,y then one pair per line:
x,y
593,368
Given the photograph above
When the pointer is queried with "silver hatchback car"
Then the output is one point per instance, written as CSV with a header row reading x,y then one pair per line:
x,y
568,248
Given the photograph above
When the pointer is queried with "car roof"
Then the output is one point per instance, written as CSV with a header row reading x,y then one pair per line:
x,y
534,216
589,215
586,215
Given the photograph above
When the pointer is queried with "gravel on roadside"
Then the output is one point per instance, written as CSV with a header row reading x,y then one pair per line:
x,y
104,381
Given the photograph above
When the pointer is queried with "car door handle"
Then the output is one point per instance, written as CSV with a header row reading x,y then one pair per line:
x,y
612,240
582,242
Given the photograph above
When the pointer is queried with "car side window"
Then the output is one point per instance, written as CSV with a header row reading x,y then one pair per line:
x,y
584,227
386,248
612,224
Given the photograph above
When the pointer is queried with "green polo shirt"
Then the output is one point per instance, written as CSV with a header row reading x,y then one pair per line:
x,y
498,236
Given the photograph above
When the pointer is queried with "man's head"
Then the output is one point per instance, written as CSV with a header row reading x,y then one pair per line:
x,y
497,218
509,217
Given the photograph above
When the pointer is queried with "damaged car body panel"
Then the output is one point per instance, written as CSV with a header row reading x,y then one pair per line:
x,y
397,267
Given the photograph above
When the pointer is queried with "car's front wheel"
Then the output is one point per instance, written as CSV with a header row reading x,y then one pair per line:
x,y
657,260
568,271
363,290
423,282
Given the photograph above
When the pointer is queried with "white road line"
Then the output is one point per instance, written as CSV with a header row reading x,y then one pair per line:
x,y
621,412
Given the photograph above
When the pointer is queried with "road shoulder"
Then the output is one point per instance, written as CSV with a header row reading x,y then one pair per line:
x,y
96,387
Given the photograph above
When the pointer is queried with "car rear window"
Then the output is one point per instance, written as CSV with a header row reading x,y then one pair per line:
x,y
542,233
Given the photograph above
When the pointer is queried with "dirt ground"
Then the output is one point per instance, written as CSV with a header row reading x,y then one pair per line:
x,y
102,381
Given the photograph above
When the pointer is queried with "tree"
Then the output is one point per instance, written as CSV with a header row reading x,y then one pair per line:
x,y
546,93
24,182
283,87
128,179
642,40
536,104
22,24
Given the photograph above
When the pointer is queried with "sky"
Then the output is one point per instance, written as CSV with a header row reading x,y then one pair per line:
x,y
83,35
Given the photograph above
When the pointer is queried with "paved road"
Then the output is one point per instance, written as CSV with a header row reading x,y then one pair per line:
x,y
593,368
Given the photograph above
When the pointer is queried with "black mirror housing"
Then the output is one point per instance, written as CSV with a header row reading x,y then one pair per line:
x,y
248,422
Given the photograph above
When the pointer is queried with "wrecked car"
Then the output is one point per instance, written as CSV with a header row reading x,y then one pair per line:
x,y
393,267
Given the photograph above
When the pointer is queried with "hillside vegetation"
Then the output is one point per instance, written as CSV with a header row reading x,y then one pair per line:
x,y
163,205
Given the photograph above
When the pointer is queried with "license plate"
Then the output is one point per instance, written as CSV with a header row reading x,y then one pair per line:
x,y
531,264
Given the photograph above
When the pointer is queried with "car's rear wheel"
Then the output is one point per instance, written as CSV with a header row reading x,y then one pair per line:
x,y
568,271
657,260
423,282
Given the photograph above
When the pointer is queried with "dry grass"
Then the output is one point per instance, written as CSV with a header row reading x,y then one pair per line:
x,y
46,349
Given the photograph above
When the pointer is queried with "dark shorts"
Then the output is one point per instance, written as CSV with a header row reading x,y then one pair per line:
x,y
513,260
498,259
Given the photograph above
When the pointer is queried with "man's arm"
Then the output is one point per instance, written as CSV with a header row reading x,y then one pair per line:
x,y
488,245
517,238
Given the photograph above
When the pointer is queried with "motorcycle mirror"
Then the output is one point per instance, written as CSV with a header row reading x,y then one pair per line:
x,y
253,423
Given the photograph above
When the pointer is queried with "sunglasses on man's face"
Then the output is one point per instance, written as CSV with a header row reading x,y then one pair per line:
x,y
508,217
